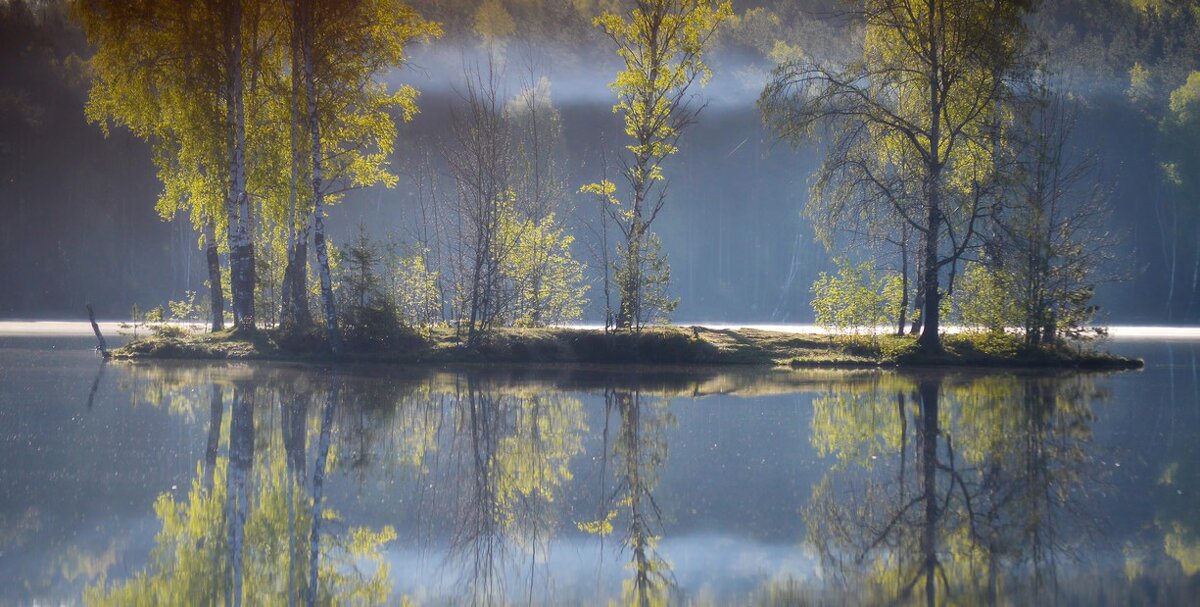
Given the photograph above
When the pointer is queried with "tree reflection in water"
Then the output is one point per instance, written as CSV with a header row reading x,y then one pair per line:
x,y
250,528
952,488
638,453
936,488
511,451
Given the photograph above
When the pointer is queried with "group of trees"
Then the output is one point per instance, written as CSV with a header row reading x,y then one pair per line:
x,y
1130,65
509,257
927,495
949,148
259,116
947,129
1149,63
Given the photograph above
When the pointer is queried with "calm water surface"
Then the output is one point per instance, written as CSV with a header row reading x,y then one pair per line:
x,y
199,483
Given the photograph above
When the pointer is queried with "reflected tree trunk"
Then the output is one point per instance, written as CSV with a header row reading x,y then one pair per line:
x,y
91,401
241,458
216,411
928,390
630,406
294,428
308,17
639,454
481,532
317,490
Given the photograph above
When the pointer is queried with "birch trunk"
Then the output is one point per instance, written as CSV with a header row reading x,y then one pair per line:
x,y
215,291
241,246
314,130
294,308
902,318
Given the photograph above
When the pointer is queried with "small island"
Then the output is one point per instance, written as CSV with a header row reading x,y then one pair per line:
x,y
659,345
988,216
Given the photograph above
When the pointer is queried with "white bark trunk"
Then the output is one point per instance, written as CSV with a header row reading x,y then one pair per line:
x,y
241,459
314,129
241,246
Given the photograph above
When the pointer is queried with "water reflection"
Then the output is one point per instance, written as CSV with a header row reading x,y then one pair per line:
x,y
510,457
250,527
954,489
375,485
637,453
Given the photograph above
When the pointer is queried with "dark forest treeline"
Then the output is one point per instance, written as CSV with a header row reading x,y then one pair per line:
x,y
75,223
79,225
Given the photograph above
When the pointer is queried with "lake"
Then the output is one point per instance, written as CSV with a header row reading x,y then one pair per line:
x,y
172,483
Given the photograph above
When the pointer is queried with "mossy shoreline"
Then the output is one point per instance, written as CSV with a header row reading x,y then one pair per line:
x,y
669,345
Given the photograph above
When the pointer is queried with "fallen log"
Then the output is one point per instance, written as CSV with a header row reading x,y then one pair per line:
x,y
101,347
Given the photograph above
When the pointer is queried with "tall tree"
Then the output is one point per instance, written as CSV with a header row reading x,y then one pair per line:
x,y
344,48
240,226
925,92
661,43
1056,240
160,70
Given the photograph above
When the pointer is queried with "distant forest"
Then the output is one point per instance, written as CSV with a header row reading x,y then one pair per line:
x,y
79,220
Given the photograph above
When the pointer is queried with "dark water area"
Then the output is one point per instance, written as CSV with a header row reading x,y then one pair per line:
x,y
196,483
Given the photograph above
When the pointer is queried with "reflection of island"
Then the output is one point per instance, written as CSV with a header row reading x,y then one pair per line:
x,y
952,489
250,527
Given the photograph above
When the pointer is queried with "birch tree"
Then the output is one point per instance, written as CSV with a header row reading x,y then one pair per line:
x,y
925,93
158,70
661,44
344,48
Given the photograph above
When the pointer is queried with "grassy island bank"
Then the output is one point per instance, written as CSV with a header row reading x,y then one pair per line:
x,y
669,345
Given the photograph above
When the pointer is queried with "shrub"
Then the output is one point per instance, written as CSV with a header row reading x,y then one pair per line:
x,y
173,331
984,301
857,299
